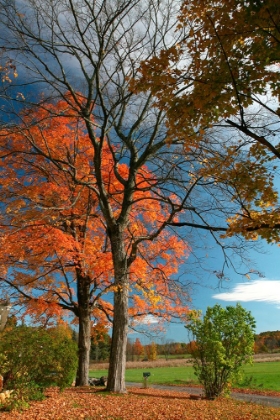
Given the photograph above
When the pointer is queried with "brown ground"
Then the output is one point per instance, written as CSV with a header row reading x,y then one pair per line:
x,y
141,404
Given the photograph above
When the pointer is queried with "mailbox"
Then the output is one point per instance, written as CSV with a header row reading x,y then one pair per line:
x,y
145,380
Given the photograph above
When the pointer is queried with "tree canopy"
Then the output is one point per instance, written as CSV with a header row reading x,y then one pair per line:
x,y
222,81
53,232
55,252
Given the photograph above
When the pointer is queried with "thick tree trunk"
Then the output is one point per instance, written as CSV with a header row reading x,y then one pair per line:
x,y
84,315
84,348
116,376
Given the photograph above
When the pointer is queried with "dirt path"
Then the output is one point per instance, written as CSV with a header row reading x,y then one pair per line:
x,y
268,400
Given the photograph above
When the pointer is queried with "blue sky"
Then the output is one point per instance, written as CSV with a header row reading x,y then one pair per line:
x,y
259,295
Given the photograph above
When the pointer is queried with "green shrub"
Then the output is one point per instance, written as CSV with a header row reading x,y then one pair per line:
x,y
224,341
33,359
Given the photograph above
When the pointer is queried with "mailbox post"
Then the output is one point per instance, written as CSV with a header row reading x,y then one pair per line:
x,y
145,376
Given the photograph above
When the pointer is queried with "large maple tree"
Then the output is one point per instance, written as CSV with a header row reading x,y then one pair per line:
x,y
140,181
55,249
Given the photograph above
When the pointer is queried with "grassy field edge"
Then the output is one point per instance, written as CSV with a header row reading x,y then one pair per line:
x,y
261,376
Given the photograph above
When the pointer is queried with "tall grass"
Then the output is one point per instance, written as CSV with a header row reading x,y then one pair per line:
x,y
147,364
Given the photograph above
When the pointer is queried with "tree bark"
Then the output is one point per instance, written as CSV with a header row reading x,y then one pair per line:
x,y
84,315
84,348
116,375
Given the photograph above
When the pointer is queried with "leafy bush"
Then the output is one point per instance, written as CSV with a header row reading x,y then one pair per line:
x,y
224,342
33,359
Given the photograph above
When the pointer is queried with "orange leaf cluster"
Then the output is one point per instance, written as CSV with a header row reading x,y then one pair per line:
x,y
54,234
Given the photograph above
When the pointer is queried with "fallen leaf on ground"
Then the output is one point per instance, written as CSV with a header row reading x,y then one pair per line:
x,y
141,404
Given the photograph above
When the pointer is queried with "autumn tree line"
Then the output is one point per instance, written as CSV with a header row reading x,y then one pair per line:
x,y
265,342
132,132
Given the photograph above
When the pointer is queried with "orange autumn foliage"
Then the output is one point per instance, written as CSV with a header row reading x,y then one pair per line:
x,y
53,234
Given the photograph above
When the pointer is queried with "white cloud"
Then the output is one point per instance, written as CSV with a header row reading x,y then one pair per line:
x,y
147,320
258,290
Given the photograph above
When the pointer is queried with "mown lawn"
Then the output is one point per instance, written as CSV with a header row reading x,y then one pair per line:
x,y
262,376
163,375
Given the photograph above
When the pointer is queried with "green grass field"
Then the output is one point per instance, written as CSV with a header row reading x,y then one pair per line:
x,y
262,376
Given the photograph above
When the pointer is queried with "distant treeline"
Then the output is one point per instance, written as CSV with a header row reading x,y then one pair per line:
x,y
136,350
265,342
268,341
